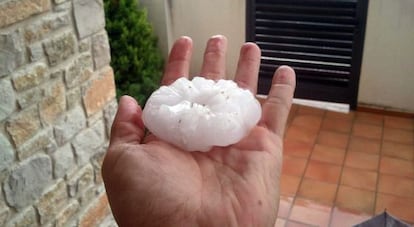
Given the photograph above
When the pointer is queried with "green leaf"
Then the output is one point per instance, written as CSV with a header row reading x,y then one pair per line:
x,y
136,58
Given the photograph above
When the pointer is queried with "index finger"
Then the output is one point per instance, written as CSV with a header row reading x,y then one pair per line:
x,y
178,64
248,67
214,61
277,105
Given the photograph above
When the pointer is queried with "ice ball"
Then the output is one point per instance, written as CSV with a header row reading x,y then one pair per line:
x,y
199,114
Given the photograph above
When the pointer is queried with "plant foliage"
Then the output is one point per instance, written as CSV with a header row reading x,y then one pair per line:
x,y
136,59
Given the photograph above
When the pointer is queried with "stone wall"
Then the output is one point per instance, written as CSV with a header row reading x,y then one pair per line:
x,y
57,102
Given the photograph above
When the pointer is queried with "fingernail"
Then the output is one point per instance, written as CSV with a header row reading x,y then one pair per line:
x,y
283,73
218,36
185,39
246,47
217,42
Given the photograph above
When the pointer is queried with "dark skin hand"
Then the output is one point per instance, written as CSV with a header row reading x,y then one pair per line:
x,y
152,183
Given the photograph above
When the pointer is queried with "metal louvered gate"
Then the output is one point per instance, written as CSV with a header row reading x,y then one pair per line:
x,y
321,39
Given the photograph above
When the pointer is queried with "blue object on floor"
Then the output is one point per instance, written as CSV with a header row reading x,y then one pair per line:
x,y
383,220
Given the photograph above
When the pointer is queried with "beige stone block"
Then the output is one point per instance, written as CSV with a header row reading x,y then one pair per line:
x,y
4,215
30,77
67,213
96,212
23,126
54,104
26,217
40,29
42,141
79,181
100,92
59,48
79,71
52,201
14,11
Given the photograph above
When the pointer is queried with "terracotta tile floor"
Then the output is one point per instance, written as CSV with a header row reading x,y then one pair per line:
x,y
342,169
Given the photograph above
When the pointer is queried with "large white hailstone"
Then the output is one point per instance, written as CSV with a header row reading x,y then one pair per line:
x,y
196,115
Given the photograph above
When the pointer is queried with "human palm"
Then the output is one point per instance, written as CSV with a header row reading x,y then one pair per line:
x,y
152,183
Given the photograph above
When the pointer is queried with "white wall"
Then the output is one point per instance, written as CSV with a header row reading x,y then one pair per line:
x,y
387,73
200,20
158,15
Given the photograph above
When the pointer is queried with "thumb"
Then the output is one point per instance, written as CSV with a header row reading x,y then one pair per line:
x,y
127,126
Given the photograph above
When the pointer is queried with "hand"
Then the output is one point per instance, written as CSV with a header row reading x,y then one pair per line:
x,y
152,183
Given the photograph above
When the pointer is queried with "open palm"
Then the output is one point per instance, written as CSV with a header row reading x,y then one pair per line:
x,y
152,183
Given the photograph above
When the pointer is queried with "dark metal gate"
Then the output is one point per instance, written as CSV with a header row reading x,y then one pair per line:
x,y
321,39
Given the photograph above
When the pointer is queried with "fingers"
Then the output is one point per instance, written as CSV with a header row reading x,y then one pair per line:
x,y
277,105
127,126
178,64
215,58
248,67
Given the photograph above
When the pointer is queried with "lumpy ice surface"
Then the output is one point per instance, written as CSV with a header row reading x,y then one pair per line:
x,y
198,114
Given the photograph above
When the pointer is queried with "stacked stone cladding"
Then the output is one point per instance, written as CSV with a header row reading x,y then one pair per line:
x,y
57,102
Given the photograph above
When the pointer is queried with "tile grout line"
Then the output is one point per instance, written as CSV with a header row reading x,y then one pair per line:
x,y
339,179
307,164
379,165
294,197
300,181
343,165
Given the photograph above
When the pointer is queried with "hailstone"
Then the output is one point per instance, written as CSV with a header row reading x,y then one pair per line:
x,y
199,114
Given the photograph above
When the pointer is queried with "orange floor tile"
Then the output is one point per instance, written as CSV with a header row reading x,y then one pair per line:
x,y
342,169
328,154
333,139
359,178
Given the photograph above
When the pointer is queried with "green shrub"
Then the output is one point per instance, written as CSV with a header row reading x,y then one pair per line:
x,y
136,59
